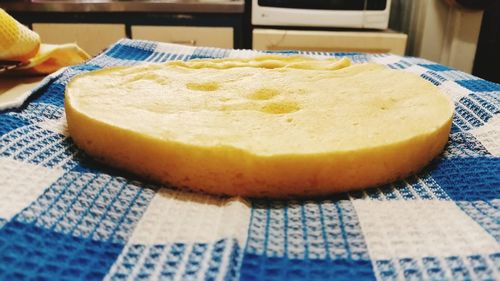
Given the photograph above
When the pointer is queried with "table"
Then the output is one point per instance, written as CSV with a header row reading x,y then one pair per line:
x,y
64,216
12,89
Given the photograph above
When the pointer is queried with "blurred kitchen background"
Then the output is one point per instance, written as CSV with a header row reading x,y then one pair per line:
x,y
462,34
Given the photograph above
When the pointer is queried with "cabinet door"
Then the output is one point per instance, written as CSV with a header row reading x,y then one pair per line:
x,y
93,38
329,41
221,37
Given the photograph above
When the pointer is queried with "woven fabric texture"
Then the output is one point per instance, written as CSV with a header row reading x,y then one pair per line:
x,y
65,217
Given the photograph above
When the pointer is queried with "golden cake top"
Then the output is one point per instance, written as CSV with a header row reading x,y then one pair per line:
x,y
266,105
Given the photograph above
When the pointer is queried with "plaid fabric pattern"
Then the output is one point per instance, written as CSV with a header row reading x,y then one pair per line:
x,y
65,217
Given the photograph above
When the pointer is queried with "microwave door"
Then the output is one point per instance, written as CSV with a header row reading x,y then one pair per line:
x,y
321,13
332,5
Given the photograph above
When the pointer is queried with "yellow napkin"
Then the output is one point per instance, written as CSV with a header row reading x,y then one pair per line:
x,y
51,57
18,43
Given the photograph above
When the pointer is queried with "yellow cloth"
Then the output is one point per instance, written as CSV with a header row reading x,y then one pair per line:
x,y
50,58
18,43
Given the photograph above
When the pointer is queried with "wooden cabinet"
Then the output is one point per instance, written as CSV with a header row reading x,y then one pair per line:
x,y
330,41
93,38
221,37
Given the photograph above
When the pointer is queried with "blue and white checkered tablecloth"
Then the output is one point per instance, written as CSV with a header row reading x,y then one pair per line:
x,y
62,216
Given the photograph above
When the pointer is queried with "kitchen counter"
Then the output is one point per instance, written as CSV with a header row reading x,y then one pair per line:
x,y
173,6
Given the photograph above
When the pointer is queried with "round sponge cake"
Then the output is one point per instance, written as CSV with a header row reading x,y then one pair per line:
x,y
269,126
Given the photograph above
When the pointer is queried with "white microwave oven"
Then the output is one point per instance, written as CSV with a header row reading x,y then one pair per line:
x,y
322,13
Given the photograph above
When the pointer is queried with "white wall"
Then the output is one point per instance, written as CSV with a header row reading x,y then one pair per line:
x,y
445,34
